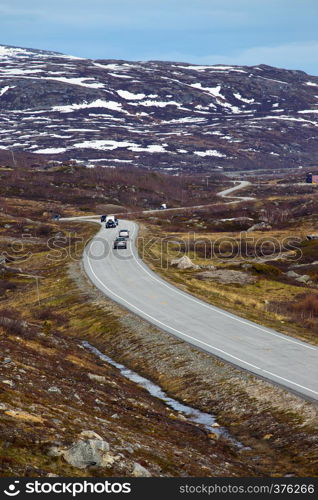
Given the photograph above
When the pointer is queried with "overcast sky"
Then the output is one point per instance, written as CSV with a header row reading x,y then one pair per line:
x,y
277,32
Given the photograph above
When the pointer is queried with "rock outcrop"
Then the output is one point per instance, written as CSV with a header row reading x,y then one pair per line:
x,y
261,226
184,262
227,276
88,450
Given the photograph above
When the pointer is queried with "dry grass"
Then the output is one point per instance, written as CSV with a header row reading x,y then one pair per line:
x,y
302,310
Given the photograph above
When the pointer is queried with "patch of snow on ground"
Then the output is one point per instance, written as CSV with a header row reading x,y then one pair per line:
x,y
209,152
64,56
110,66
312,84
199,106
212,68
308,111
13,52
151,148
235,218
78,81
4,90
76,129
99,103
215,92
120,76
103,145
197,68
50,151
186,119
244,99
271,79
288,118
125,94
118,161
231,68
159,104
17,71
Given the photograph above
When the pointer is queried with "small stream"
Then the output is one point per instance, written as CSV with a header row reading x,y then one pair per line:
x,y
196,416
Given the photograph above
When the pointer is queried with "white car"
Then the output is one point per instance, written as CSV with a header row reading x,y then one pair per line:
x,y
124,233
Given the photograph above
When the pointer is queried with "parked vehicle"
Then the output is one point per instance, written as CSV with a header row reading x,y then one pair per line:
x,y
110,224
103,218
124,233
163,206
120,242
312,178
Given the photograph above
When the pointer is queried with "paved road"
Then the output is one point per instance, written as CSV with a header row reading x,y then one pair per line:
x,y
226,193
122,276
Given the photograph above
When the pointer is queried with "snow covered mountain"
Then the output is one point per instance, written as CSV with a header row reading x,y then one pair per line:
x,y
162,115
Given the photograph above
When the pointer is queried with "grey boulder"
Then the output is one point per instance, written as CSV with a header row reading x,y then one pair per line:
x,y
184,262
89,450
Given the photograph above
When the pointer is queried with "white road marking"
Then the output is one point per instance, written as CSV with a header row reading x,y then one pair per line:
x,y
193,338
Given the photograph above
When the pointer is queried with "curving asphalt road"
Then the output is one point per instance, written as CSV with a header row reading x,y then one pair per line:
x,y
226,193
122,276
238,185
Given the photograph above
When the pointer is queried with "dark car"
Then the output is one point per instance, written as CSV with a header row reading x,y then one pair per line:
x,y
110,224
103,218
120,243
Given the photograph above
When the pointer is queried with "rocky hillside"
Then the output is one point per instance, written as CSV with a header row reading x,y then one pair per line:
x,y
162,115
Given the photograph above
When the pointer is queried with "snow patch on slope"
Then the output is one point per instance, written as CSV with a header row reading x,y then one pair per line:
x,y
244,99
50,151
159,104
125,94
308,111
78,81
102,145
210,152
312,84
151,148
215,92
7,52
4,90
99,103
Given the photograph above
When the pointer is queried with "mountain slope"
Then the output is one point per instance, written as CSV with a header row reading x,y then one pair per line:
x,y
157,114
